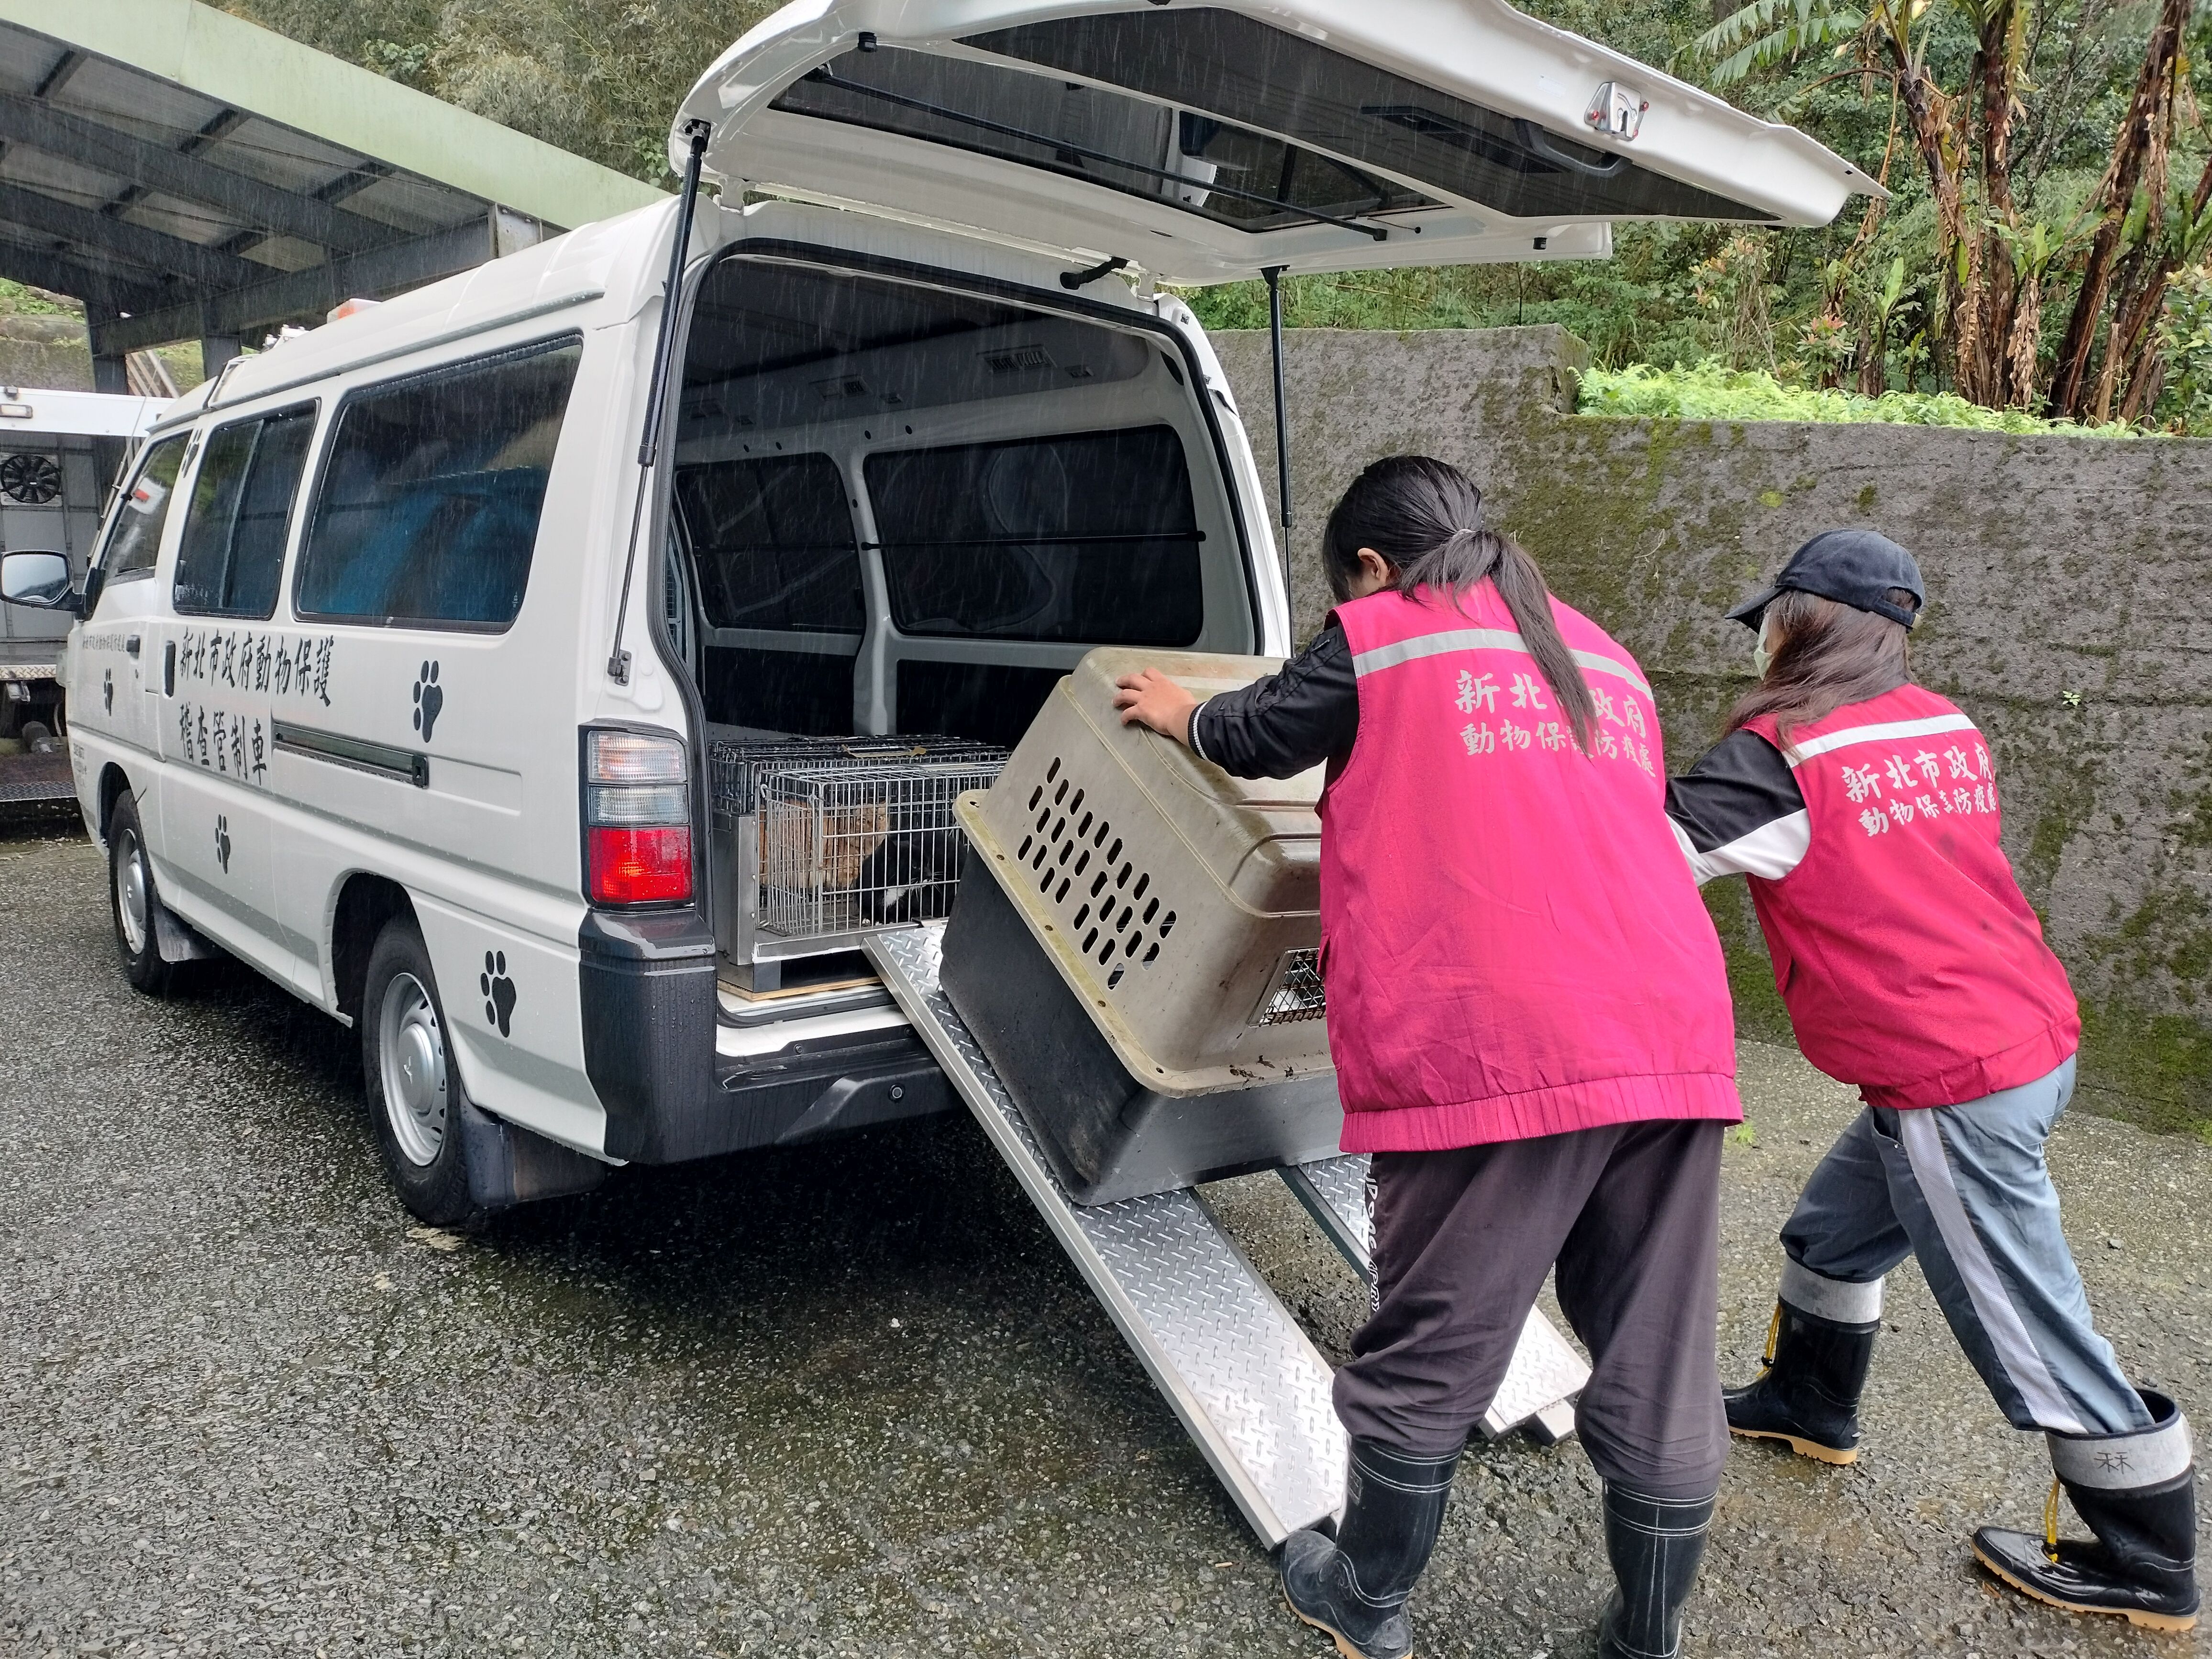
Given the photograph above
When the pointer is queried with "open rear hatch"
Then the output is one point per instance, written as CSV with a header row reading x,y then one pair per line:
x,y
1207,143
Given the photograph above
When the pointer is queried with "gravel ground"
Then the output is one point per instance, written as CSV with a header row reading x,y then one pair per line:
x,y
848,1399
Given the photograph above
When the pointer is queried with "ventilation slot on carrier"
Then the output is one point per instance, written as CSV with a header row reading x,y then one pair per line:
x,y
1109,923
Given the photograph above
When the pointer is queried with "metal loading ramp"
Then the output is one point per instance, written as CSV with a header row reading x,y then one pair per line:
x,y
1244,1378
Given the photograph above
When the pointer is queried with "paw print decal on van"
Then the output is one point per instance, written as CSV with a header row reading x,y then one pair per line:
x,y
222,842
429,698
107,691
498,990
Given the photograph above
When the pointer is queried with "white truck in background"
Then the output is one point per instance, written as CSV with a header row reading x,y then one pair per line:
x,y
60,454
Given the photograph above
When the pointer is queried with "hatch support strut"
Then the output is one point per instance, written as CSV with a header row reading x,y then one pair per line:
x,y
663,352
1274,275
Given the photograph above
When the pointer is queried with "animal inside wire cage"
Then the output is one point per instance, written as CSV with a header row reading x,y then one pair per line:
x,y
844,848
735,766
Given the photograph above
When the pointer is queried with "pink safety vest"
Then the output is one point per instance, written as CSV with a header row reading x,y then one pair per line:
x,y
1910,962
1512,944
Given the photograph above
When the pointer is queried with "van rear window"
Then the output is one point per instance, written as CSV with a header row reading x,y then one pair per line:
x,y
427,513
1089,539
773,543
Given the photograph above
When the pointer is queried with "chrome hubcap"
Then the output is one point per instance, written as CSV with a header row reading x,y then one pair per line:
x,y
130,893
412,1050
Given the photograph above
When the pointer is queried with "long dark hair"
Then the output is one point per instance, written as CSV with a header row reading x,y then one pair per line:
x,y
1830,656
1425,516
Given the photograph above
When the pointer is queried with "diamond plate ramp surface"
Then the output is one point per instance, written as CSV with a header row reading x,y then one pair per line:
x,y
25,778
1245,1380
1546,1372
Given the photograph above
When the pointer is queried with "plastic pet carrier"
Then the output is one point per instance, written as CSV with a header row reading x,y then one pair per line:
x,y
818,842
1142,966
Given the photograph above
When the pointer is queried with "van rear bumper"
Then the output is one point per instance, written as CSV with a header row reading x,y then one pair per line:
x,y
649,1011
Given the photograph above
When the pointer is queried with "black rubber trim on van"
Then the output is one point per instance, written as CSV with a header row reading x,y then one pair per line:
x,y
648,1004
380,759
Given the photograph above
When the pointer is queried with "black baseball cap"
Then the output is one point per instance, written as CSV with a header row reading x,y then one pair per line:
x,y
1856,568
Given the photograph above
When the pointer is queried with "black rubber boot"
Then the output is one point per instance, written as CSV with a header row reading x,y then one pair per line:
x,y
1808,1395
1354,1586
1655,1545
2143,1565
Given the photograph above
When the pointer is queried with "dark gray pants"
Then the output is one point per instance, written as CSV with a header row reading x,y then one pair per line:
x,y
1631,1214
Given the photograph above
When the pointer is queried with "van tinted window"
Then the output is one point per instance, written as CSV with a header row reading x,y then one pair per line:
x,y
1239,69
428,507
775,543
1253,180
233,551
1089,539
135,540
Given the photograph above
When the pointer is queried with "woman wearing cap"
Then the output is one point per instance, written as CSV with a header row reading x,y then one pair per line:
x,y
1863,808
1531,1027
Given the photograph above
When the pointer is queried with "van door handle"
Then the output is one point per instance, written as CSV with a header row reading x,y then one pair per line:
x,y
169,669
132,645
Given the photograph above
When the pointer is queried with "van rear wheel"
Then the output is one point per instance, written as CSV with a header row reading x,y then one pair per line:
x,y
137,902
414,1086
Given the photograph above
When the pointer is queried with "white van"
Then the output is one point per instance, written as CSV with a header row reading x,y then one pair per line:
x,y
556,684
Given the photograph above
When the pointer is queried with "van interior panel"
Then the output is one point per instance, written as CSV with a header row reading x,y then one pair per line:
x,y
904,509
991,703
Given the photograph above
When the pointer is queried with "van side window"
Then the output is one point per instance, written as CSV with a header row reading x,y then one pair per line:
x,y
427,511
775,543
136,539
1089,539
232,554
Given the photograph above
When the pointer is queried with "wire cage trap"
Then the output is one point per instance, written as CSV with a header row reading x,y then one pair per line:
x,y
848,848
819,842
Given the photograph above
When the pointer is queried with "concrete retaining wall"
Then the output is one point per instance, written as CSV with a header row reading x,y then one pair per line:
x,y
2068,613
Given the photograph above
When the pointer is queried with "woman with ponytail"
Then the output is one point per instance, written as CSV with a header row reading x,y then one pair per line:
x,y
1531,1032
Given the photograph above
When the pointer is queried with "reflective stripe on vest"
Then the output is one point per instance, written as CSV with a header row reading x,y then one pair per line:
x,y
1478,639
1877,734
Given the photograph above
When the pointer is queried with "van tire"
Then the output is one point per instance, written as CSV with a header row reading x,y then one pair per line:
x,y
414,1083
136,901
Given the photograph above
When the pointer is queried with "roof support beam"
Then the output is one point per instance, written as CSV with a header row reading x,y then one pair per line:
x,y
60,273
309,292
58,76
58,133
156,250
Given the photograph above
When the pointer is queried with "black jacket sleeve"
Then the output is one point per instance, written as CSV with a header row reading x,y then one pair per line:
x,y
1279,726
1739,811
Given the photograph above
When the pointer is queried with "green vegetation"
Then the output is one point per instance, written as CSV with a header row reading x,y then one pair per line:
x,y
19,299
1714,391
2044,249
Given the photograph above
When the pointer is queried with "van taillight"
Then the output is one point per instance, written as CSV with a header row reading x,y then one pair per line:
x,y
638,819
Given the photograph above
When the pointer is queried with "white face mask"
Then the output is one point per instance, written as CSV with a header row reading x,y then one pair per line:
x,y
1761,657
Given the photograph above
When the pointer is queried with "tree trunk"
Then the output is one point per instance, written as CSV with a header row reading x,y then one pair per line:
x,y
1928,110
2131,145
2146,363
1997,384
2027,341
1874,352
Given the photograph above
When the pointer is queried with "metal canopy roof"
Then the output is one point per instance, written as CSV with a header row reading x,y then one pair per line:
x,y
190,175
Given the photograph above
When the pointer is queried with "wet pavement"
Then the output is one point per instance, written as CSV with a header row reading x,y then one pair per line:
x,y
846,1400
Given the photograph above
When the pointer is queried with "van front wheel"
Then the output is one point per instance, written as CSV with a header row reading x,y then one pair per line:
x,y
414,1088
